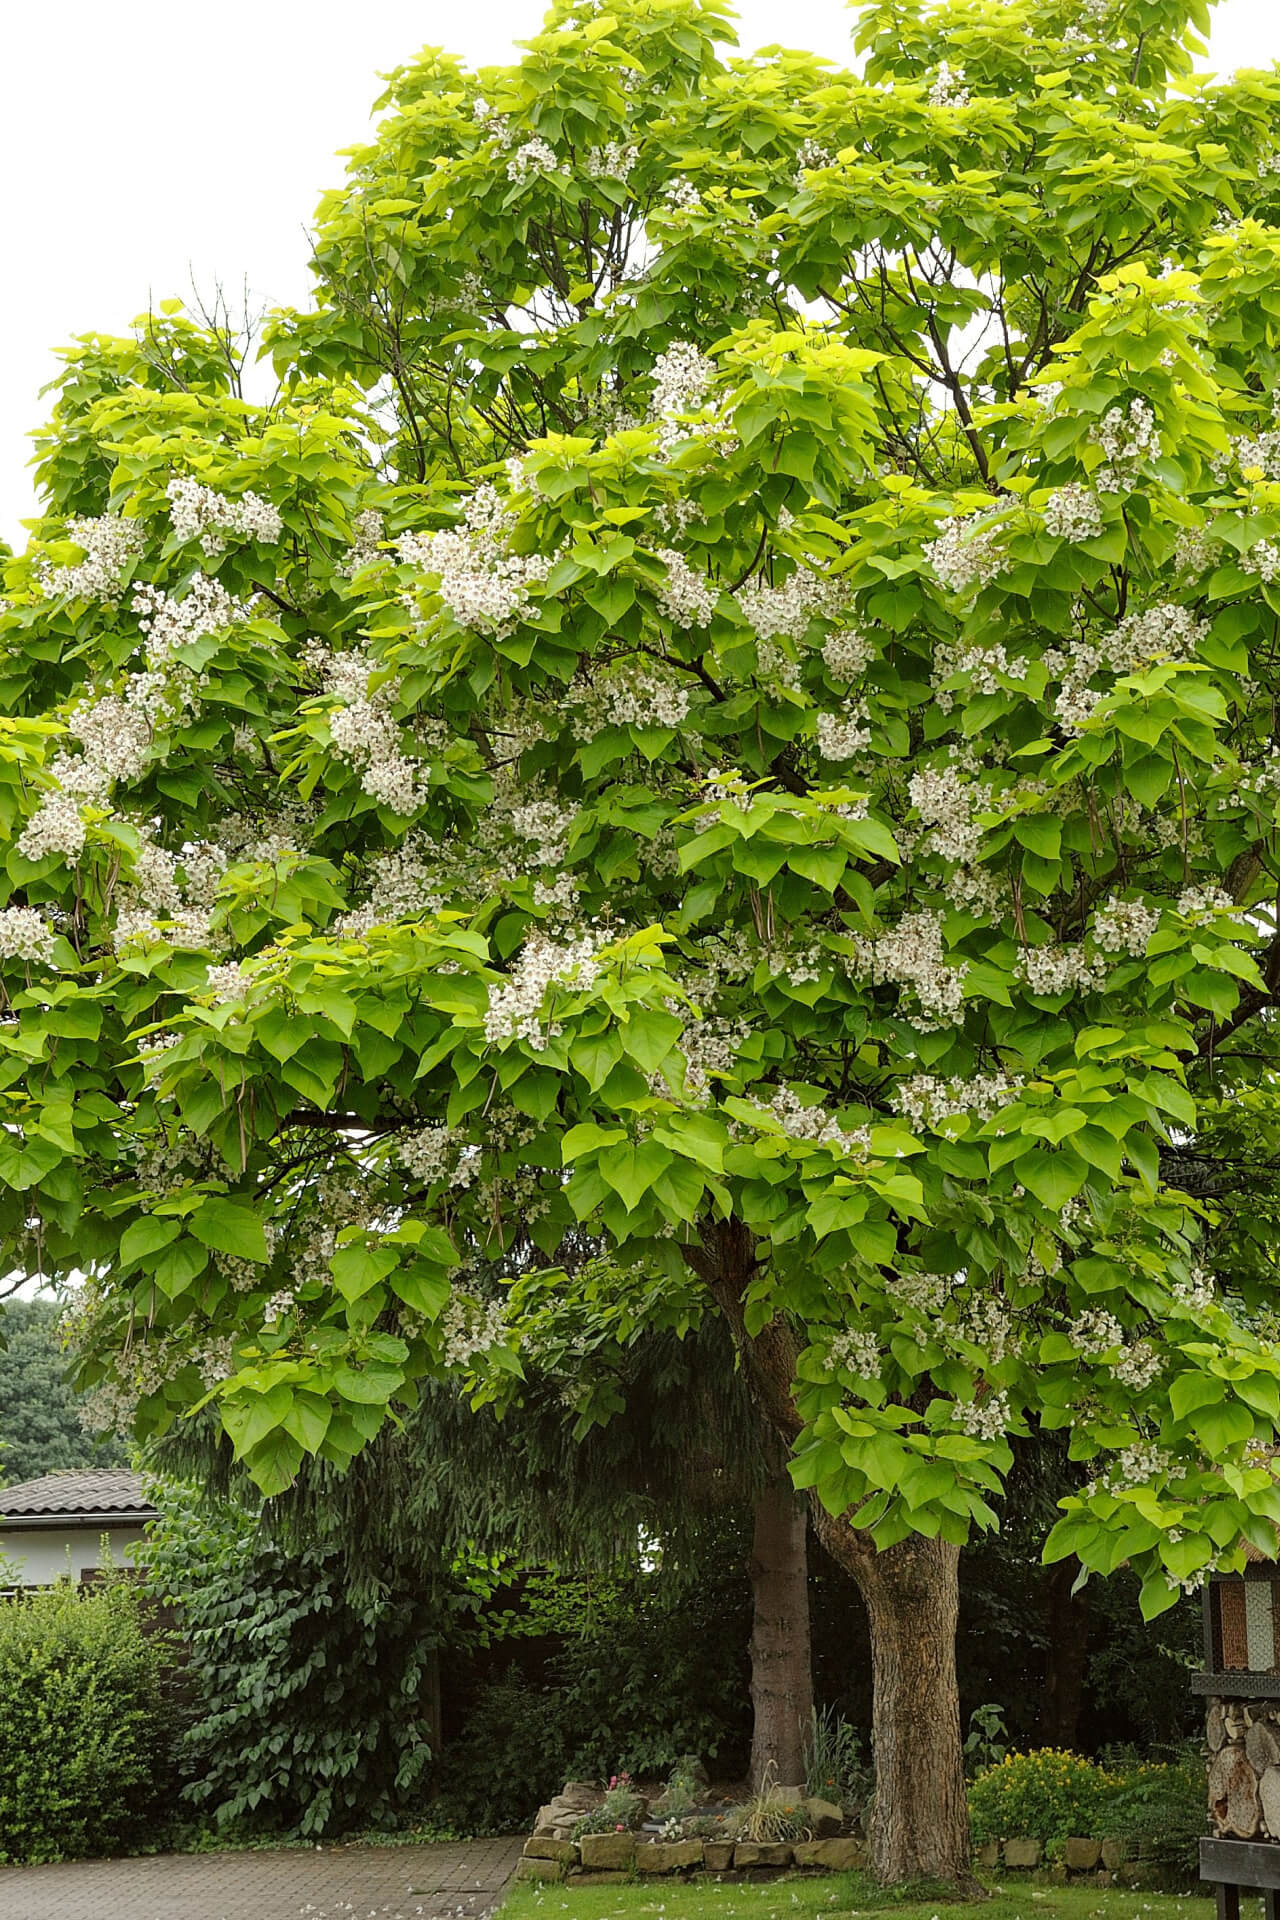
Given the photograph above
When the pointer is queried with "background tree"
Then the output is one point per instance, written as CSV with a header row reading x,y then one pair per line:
x,y
730,701
41,1430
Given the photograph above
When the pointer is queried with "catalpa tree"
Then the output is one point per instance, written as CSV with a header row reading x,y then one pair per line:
x,y
726,706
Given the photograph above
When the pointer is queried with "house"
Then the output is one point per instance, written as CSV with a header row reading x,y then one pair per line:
x,y
56,1526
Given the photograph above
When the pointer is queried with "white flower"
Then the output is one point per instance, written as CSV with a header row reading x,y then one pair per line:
x,y
856,1350
846,653
110,546
688,599
842,735
612,161
681,195
532,158
56,826
198,512
967,552
482,583
1073,513
948,89
984,1419
1129,438
1125,926
229,983
515,1010
25,934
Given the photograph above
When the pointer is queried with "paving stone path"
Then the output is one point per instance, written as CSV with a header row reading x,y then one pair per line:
x,y
447,1882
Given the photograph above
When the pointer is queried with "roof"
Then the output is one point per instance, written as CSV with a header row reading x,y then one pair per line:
x,y
93,1494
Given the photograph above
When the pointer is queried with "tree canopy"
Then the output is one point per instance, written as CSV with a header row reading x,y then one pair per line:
x,y
729,700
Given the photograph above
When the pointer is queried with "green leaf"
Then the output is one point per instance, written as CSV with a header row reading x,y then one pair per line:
x,y
230,1227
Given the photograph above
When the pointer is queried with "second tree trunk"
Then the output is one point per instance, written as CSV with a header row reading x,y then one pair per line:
x,y
781,1673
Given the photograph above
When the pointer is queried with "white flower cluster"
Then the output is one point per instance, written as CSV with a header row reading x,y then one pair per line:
x,y
681,195
967,552
981,662
629,695
612,161
984,1419
470,1327
947,805
530,159
1096,1333
841,736
515,1010
1262,558
1161,632
1139,1465
948,89
363,729
912,955
25,934
1128,438
681,377
857,1351
786,611
228,983
815,1123
847,653
56,827
205,609
483,585
368,531
923,1294
1056,969
548,825
110,546
1073,513
197,512
928,1101
432,1154
1194,903
1194,552
811,158
688,599
710,1048
1125,926
1258,453
1196,1293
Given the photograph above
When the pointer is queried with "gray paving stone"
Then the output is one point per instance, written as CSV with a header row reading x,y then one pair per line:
x,y
448,1882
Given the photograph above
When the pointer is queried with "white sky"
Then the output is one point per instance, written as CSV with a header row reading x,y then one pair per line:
x,y
143,145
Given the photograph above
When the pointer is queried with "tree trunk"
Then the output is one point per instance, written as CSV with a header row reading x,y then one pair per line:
x,y
920,1820
781,1674
1067,1656
920,1817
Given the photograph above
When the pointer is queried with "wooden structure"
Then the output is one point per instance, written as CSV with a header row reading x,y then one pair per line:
x,y
1241,1682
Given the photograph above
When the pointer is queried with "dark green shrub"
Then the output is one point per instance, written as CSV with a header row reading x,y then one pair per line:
x,y
1160,1812
511,1758
311,1693
84,1750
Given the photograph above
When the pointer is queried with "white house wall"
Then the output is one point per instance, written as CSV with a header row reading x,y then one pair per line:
x,y
47,1554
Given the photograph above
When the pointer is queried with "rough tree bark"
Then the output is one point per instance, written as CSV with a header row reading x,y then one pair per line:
x,y
920,1818
781,1674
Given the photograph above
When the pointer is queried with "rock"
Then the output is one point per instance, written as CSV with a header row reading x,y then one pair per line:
x,y
1058,1873
988,1854
762,1853
824,1816
1114,1855
528,1869
578,1878
1134,1874
567,1808
541,1846
1081,1856
1106,1879
607,1851
835,1856
717,1855
787,1796
668,1856
1261,1746
583,1790
1023,1853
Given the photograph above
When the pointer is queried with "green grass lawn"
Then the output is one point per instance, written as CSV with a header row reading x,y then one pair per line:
x,y
846,1895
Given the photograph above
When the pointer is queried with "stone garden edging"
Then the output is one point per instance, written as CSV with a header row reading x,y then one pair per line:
x,y
605,1857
